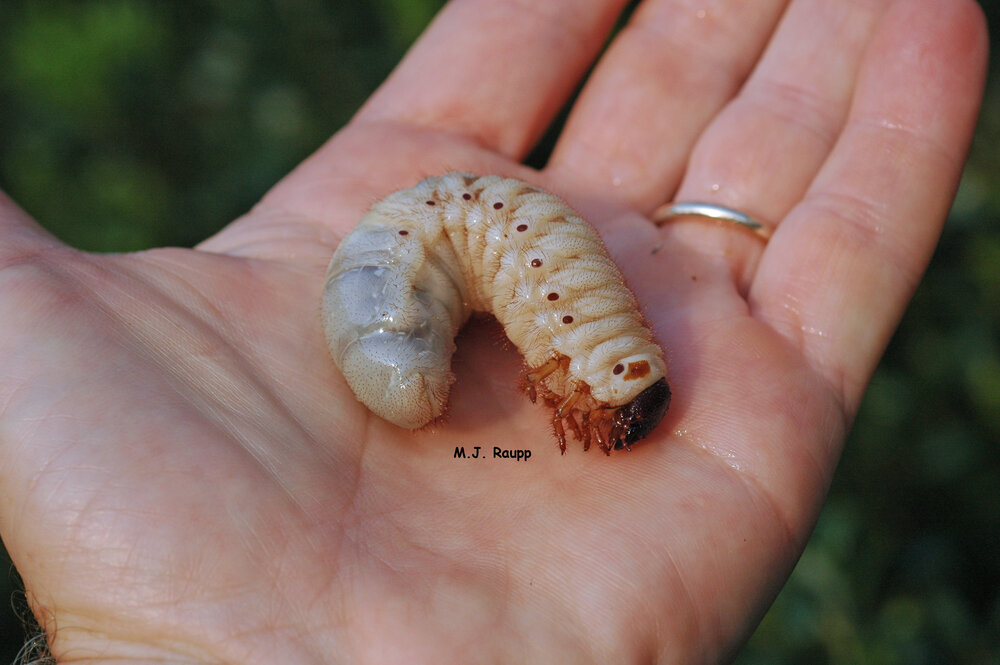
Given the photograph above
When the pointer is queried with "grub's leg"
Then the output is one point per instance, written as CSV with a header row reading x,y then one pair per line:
x,y
567,404
539,373
571,421
585,426
614,439
560,433
565,410
600,440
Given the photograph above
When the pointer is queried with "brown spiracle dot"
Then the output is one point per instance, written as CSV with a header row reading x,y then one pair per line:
x,y
430,203
467,196
522,227
536,263
404,232
497,205
567,319
619,368
637,370
553,296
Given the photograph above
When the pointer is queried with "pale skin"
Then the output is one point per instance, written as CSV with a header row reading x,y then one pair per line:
x,y
186,478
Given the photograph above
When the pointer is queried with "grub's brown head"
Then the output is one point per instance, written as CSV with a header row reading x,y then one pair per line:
x,y
639,417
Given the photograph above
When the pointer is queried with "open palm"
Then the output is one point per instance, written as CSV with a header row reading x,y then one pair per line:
x,y
186,477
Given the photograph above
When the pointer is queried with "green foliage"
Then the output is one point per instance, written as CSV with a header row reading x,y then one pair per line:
x,y
127,124
69,59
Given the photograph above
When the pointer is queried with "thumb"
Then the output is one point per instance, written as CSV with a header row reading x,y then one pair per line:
x,y
21,238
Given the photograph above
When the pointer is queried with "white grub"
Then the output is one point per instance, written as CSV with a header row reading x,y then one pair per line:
x,y
421,260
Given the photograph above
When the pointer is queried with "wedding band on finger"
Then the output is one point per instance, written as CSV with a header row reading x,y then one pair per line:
x,y
671,211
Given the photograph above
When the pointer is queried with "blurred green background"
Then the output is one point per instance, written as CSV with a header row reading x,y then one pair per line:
x,y
127,124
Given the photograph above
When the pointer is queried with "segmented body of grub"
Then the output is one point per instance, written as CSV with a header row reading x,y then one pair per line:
x,y
421,260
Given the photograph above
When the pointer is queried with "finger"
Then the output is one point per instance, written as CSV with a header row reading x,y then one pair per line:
x,y
665,76
761,153
836,278
496,71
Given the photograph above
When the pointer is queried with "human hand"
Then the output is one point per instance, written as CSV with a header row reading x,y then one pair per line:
x,y
187,478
